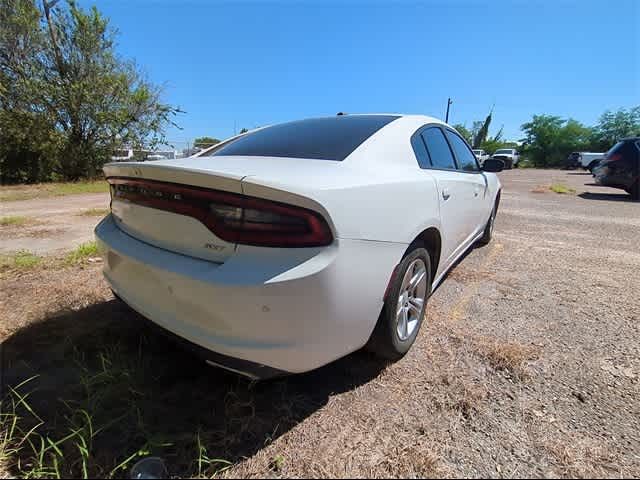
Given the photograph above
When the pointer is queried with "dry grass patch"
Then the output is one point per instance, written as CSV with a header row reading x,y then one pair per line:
x,y
560,188
540,189
582,458
506,356
94,212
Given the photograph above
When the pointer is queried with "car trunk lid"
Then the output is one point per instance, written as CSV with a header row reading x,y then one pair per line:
x,y
169,204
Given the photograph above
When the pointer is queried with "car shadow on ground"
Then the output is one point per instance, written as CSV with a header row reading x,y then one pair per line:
x,y
455,265
147,394
578,173
614,197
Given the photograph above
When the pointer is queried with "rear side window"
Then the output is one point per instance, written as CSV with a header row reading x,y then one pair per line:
x,y
421,151
329,138
438,149
466,159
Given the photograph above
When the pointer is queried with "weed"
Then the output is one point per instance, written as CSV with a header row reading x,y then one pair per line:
x,y
14,221
82,253
561,188
21,260
276,463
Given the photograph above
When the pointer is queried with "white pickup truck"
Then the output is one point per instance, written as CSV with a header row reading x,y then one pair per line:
x,y
481,155
586,160
509,156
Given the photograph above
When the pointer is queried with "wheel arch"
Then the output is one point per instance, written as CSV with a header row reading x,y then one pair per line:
x,y
431,240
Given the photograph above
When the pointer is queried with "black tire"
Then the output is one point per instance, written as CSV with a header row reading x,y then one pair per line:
x,y
592,165
488,229
385,340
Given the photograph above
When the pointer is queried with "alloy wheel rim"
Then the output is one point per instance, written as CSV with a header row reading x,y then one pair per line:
x,y
411,299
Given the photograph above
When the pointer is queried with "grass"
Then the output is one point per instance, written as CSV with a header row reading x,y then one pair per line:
x,y
561,188
15,220
22,260
506,356
104,410
94,212
44,190
82,253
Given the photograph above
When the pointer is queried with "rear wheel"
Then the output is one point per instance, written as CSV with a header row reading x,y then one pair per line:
x,y
592,165
404,307
488,229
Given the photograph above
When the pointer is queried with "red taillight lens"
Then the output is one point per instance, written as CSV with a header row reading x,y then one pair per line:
x,y
232,217
614,157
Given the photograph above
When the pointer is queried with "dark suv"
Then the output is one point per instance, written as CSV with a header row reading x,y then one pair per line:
x,y
620,167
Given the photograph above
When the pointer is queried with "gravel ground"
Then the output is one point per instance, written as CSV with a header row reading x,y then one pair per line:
x,y
528,364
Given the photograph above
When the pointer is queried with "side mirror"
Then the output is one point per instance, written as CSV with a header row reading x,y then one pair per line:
x,y
493,165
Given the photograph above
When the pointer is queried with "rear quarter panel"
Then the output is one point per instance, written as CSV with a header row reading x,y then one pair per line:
x,y
394,207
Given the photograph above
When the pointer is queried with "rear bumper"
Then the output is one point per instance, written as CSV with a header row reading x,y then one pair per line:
x,y
264,311
607,177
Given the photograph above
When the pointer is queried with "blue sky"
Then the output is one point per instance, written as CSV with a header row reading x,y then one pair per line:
x,y
243,64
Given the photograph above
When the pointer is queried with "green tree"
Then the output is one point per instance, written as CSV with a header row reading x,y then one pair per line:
x,y
483,131
549,139
464,131
63,80
612,126
205,142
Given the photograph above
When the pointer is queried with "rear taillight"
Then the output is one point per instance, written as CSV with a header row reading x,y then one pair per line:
x,y
232,217
613,158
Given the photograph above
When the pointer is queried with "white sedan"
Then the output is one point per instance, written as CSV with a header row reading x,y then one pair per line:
x,y
293,245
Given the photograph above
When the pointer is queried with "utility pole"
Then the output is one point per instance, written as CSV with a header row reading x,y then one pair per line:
x,y
449,102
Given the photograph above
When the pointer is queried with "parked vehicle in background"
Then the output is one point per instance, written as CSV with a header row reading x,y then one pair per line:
x,y
620,167
156,156
481,155
586,160
268,254
509,156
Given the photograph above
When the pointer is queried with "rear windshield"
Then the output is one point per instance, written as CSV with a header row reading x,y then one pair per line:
x,y
616,148
503,151
624,148
329,138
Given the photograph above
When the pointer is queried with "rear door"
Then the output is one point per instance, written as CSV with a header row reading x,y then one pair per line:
x,y
439,159
476,198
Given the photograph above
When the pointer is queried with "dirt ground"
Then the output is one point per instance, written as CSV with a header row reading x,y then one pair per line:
x,y
55,223
528,364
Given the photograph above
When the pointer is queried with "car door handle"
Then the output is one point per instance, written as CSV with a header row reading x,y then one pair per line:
x,y
445,193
